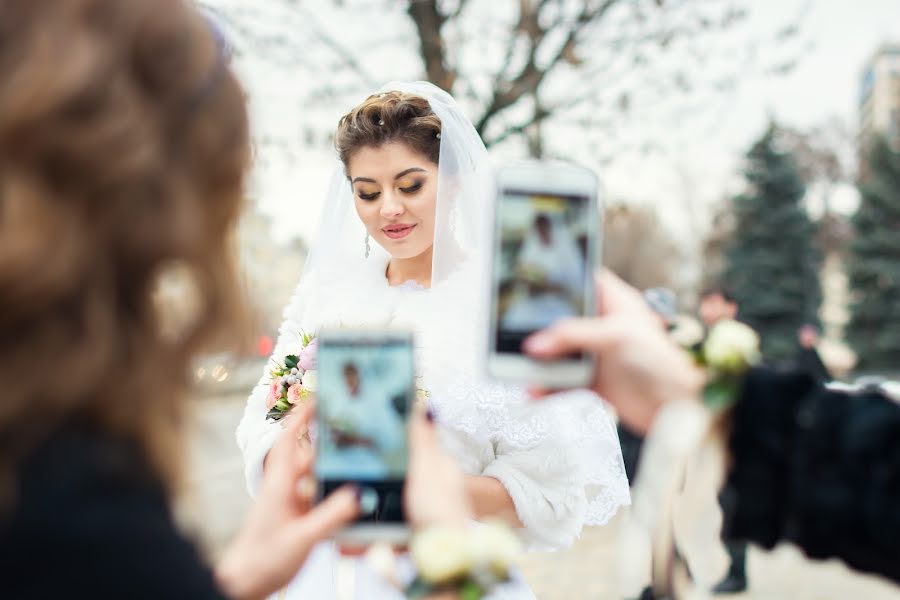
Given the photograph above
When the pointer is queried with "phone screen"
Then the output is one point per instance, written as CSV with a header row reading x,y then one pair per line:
x,y
541,264
364,394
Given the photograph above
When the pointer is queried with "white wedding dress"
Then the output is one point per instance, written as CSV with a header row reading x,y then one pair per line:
x,y
559,459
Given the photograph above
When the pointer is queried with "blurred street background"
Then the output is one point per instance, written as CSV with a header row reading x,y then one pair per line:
x,y
750,146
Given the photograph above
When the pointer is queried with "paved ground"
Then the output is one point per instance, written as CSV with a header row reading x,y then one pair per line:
x,y
216,499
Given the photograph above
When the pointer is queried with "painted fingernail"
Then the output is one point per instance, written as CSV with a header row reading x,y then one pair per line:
x,y
367,500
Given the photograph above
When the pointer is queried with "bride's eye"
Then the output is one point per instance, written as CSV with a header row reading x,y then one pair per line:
x,y
412,189
368,197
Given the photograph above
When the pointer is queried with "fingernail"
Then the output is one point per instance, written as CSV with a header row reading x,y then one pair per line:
x,y
536,343
429,415
366,500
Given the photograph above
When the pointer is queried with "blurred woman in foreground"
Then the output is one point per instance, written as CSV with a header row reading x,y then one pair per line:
x,y
123,153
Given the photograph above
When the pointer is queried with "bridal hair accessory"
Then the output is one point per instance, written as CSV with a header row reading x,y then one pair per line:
x,y
292,380
470,562
368,247
438,135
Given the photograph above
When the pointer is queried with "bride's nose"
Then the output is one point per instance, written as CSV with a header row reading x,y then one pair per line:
x,y
391,205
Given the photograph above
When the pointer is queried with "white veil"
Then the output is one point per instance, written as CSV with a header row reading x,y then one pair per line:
x,y
464,187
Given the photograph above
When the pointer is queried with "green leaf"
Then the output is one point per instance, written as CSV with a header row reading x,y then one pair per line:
x,y
470,591
291,361
720,394
283,405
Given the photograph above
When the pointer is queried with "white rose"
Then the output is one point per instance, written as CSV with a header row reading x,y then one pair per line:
x,y
310,380
496,546
731,346
687,333
441,554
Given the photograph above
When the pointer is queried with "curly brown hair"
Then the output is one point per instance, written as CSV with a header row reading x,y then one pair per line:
x,y
124,146
389,117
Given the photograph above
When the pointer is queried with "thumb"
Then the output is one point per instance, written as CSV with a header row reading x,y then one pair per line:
x,y
574,335
330,515
422,433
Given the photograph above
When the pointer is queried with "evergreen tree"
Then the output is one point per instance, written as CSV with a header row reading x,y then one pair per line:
x,y
772,262
874,264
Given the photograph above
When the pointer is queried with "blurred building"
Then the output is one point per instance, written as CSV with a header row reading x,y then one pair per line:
x,y
879,99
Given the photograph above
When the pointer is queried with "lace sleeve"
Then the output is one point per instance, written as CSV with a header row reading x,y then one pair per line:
x,y
255,434
559,459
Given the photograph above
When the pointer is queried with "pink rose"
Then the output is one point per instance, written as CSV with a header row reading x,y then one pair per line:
x,y
307,357
294,393
274,393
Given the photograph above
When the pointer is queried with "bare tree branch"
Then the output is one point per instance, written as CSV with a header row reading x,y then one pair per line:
x,y
429,20
531,76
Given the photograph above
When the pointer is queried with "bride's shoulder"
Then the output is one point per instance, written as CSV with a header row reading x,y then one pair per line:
x,y
326,294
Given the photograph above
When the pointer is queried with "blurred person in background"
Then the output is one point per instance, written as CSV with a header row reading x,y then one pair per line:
x,y
808,360
717,304
809,465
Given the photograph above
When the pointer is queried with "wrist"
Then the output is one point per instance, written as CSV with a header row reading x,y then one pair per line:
x,y
237,576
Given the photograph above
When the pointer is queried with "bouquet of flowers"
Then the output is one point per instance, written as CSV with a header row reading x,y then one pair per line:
x,y
292,380
729,351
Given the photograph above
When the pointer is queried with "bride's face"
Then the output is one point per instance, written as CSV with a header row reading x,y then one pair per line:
x,y
395,190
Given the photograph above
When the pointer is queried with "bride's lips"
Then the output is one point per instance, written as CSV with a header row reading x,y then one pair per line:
x,y
398,231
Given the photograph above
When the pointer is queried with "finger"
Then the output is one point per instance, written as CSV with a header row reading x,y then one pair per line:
x,y
306,490
297,421
614,296
539,393
285,459
339,509
574,335
422,433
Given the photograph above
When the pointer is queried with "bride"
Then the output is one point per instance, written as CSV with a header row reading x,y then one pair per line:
x,y
403,242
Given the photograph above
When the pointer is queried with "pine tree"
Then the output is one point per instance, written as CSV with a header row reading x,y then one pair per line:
x,y
772,262
874,264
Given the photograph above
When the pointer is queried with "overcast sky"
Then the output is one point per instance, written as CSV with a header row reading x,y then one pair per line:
x,y
842,35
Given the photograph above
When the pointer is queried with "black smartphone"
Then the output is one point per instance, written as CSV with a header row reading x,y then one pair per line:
x,y
366,386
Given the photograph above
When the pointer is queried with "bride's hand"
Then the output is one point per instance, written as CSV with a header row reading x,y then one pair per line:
x,y
283,526
637,367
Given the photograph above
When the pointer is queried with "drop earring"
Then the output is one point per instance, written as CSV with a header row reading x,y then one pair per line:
x,y
368,248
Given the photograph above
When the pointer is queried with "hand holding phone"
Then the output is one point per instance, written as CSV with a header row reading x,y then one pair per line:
x,y
546,238
366,388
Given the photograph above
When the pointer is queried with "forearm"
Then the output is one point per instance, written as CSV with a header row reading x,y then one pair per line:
x,y
232,577
490,499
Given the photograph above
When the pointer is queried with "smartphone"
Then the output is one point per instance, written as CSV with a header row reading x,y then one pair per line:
x,y
546,235
366,386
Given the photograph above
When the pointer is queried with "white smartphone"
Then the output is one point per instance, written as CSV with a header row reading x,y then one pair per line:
x,y
546,232
365,391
